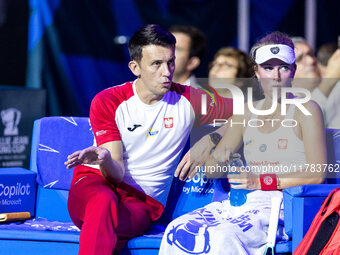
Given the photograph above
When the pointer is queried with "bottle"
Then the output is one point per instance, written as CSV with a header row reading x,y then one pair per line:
x,y
237,196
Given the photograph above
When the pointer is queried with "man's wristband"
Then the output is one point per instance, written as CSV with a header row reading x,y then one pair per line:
x,y
268,182
215,138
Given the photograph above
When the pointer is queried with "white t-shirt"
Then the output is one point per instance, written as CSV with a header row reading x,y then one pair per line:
x,y
153,136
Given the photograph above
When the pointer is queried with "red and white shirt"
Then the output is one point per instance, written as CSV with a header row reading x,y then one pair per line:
x,y
153,136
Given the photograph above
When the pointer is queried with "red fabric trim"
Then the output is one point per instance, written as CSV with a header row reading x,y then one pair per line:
x,y
103,112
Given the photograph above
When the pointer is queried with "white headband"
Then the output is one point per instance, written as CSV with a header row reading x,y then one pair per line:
x,y
279,51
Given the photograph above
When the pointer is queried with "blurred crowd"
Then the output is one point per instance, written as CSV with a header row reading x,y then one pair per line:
x,y
319,71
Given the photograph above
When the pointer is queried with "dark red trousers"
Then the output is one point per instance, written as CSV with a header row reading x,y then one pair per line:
x,y
108,215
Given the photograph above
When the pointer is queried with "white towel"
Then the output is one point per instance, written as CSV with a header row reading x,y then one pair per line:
x,y
220,228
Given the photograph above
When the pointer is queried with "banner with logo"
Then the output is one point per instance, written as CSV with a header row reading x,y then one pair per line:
x,y
17,190
18,110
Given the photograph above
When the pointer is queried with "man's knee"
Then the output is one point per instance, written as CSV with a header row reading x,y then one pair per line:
x,y
133,215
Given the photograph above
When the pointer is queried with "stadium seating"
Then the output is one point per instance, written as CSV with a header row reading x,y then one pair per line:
x,y
56,137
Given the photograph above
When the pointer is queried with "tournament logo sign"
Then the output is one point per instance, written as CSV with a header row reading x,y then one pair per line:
x,y
18,110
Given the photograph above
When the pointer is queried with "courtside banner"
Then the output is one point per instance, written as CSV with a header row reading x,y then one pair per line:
x,y
17,190
18,109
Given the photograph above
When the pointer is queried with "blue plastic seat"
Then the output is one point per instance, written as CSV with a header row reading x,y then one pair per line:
x,y
56,137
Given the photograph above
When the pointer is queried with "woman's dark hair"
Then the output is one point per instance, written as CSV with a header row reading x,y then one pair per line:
x,y
151,34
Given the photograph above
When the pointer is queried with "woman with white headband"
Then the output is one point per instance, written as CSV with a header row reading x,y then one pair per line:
x,y
280,150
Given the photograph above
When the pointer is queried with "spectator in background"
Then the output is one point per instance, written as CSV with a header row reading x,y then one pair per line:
x,y
190,50
228,65
323,55
325,92
306,65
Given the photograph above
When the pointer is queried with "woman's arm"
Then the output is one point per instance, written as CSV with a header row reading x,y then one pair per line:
x,y
230,143
313,137
197,156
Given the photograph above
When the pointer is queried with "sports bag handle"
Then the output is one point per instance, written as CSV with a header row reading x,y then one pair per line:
x,y
328,201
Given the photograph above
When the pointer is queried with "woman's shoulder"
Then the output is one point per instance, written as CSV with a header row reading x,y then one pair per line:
x,y
310,113
310,108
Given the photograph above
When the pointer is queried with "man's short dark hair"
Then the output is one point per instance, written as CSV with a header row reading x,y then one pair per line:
x,y
197,39
151,34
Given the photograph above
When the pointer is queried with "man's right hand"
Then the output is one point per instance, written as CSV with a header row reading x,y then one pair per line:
x,y
194,158
91,155
333,66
